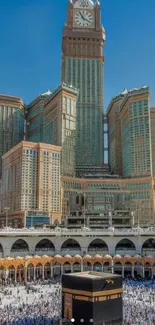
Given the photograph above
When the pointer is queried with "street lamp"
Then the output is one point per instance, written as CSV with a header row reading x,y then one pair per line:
x,y
6,216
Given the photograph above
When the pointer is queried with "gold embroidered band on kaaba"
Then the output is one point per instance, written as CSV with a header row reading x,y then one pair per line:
x,y
93,294
110,281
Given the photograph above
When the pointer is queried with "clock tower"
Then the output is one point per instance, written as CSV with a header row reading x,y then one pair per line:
x,y
82,67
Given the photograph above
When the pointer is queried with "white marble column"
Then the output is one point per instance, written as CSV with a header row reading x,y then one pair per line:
x,y
122,271
143,272
34,274
15,275
112,267
25,275
43,272
133,268
51,271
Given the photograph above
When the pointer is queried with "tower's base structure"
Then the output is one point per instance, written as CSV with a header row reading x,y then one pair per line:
x,y
92,298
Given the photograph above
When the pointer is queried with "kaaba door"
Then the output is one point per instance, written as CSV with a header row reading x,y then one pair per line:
x,y
68,306
67,313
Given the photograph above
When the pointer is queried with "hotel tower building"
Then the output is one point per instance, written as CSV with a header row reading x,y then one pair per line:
x,y
82,67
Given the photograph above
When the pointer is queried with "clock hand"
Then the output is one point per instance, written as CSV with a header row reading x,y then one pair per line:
x,y
82,16
87,20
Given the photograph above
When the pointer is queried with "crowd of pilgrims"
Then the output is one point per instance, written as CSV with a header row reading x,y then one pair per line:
x,y
139,302
39,303
36,303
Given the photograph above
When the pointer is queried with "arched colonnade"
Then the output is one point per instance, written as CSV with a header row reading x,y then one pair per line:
x,y
33,268
125,246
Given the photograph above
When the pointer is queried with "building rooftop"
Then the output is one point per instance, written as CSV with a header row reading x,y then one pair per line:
x,y
45,96
32,146
12,99
94,275
63,86
127,93
48,93
77,232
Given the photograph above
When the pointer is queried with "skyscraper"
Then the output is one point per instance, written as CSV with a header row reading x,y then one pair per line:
x,y
12,123
35,118
130,152
82,67
31,182
152,116
60,125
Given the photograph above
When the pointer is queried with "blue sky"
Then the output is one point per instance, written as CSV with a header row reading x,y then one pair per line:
x,y
30,46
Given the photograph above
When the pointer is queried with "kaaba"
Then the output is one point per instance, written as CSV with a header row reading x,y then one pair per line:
x,y
92,298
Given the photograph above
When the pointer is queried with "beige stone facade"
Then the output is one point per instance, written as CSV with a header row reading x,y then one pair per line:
x,y
31,181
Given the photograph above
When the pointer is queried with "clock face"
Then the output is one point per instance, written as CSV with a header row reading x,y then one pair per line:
x,y
83,18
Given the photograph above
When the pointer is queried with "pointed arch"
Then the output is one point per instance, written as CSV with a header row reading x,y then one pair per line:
x,y
97,267
98,246
47,271
76,267
1,251
148,247
70,245
125,247
20,247
44,246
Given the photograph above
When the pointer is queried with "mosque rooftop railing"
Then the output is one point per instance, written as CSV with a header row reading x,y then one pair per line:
x,y
58,232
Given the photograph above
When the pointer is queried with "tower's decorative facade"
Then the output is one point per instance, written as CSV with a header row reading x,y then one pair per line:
x,y
82,67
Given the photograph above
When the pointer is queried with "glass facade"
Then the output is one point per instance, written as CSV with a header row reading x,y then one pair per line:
x,y
35,124
37,221
153,140
130,133
68,136
35,118
136,139
128,195
12,128
115,137
87,76
60,126
126,151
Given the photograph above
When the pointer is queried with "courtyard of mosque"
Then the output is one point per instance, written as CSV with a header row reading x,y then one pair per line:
x,y
39,302
32,262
